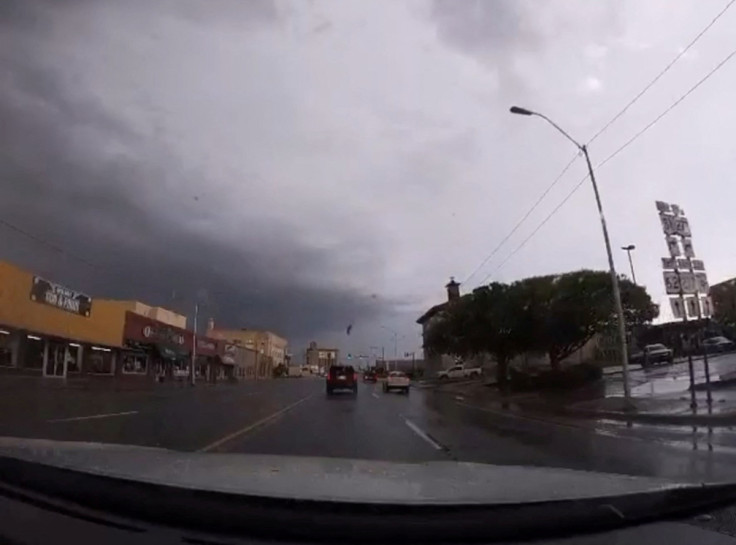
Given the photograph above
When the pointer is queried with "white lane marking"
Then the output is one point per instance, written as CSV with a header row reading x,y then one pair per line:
x,y
416,429
374,394
250,427
92,417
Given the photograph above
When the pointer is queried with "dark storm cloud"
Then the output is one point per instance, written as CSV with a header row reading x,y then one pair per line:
x,y
66,182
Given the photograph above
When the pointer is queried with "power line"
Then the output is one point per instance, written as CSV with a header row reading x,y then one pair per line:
x,y
663,72
523,219
601,131
46,243
614,154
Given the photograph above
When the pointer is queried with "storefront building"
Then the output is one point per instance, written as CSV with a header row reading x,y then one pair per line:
x,y
158,351
50,330
240,363
154,350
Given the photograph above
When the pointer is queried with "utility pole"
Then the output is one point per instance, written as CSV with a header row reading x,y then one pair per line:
x,y
192,373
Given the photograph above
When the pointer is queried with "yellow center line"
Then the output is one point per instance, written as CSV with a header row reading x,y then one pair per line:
x,y
251,427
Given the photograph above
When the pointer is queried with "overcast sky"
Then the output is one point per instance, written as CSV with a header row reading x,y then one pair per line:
x,y
305,165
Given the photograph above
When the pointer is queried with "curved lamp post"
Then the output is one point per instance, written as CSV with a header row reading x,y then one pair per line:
x,y
612,268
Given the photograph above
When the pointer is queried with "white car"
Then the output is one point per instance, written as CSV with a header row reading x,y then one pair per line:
x,y
396,380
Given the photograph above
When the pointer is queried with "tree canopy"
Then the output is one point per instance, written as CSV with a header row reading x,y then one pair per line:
x,y
554,314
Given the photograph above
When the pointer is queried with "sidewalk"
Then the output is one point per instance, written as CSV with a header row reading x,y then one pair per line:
x,y
670,409
26,383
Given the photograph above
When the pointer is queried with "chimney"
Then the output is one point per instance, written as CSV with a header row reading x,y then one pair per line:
x,y
211,324
453,289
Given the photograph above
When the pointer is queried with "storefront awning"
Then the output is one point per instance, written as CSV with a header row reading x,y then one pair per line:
x,y
170,353
226,359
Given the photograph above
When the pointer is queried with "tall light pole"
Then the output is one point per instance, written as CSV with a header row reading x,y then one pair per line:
x,y
192,367
628,249
611,266
396,342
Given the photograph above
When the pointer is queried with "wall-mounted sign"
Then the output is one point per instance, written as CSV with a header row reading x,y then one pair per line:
x,y
671,282
683,263
697,264
162,333
55,295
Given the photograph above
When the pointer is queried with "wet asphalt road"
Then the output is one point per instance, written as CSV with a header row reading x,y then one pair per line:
x,y
295,417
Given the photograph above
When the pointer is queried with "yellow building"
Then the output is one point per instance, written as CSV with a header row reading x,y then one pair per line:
x,y
271,347
54,331
49,329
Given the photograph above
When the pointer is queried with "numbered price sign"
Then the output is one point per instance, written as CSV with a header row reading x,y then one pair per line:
x,y
669,263
678,307
693,307
687,247
701,280
688,282
668,224
706,305
681,226
671,282
697,264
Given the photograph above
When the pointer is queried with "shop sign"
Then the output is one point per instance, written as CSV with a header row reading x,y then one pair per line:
x,y
163,334
206,347
229,354
55,295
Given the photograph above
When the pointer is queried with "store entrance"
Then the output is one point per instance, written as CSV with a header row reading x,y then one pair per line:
x,y
56,360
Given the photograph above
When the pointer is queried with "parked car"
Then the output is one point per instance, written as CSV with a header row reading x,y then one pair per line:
x,y
341,377
369,376
718,345
459,371
294,371
653,354
397,380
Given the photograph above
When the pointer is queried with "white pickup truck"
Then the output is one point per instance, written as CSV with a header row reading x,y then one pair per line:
x,y
459,371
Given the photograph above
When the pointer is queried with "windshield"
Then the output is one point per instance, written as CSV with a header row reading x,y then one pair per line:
x,y
225,225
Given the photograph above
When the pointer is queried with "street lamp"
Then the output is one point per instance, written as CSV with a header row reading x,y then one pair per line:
x,y
628,249
614,276
396,342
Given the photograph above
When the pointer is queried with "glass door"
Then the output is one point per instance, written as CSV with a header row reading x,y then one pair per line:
x,y
55,360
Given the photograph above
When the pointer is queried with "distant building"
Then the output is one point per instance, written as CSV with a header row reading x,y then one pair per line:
x,y
406,365
271,347
434,362
723,296
320,357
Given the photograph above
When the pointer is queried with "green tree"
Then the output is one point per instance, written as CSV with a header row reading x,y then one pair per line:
x,y
565,311
486,321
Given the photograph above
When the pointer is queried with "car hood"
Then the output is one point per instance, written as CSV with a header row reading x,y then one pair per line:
x,y
331,479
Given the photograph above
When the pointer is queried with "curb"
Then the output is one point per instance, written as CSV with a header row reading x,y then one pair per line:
x,y
714,420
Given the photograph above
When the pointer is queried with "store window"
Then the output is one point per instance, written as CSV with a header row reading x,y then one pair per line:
x,y
6,348
73,358
135,364
181,369
34,349
99,361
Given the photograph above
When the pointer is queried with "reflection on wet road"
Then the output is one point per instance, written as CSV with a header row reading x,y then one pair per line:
x,y
295,417
673,379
